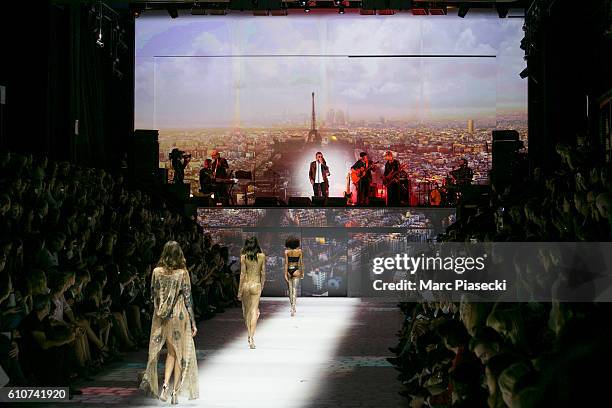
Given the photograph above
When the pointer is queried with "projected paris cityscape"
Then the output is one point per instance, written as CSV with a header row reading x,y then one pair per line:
x,y
429,99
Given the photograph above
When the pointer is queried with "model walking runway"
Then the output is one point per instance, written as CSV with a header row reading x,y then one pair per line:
x,y
331,354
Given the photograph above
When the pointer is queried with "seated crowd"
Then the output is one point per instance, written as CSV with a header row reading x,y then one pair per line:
x,y
77,248
516,355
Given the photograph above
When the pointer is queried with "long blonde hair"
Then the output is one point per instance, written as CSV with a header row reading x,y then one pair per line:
x,y
172,257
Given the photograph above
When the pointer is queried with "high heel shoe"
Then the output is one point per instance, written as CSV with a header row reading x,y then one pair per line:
x,y
163,396
251,343
174,400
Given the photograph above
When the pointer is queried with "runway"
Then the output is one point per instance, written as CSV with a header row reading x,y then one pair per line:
x,y
331,354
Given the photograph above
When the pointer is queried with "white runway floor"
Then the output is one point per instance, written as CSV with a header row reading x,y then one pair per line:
x,y
331,354
290,360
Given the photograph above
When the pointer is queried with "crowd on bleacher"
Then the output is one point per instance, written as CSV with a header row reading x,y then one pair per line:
x,y
517,355
77,247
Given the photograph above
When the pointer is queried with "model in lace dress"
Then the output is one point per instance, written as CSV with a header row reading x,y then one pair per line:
x,y
252,278
173,324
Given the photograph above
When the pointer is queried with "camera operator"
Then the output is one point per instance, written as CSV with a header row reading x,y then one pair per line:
x,y
180,160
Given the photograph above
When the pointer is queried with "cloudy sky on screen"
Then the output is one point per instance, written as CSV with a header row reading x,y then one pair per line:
x,y
194,72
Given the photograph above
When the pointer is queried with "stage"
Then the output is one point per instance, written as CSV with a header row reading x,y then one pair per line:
x,y
331,354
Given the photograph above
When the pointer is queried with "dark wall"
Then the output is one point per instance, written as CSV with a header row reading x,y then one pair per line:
x,y
55,74
572,59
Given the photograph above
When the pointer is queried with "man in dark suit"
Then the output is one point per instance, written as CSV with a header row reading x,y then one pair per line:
x,y
318,174
220,170
393,187
206,184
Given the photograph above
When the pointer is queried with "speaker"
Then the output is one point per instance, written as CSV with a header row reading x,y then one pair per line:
x,y
162,176
506,145
268,202
318,201
179,191
143,157
299,202
335,202
499,135
377,202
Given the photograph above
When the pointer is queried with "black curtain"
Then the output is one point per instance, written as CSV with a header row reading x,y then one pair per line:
x,y
56,75
101,101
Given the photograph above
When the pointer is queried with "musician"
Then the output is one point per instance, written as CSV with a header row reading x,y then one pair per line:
x,y
206,178
220,170
463,175
391,174
363,169
435,197
219,165
318,174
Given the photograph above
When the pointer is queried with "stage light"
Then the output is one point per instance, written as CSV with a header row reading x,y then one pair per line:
x,y
198,10
437,11
341,10
172,11
524,73
463,10
502,11
136,10
420,11
99,40
336,3
303,3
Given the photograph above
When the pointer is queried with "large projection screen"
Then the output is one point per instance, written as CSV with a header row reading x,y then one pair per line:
x,y
431,89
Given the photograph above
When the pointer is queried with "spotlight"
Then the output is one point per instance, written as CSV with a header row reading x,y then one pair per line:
x,y
336,3
502,11
198,10
303,3
419,11
341,10
99,40
437,11
463,10
524,73
136,10
172,11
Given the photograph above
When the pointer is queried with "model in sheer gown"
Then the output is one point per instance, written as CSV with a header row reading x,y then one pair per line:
x,y
294,269
252,278
173,324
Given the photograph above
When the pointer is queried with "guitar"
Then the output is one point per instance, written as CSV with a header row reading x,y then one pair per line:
x,y
347,193
357,175
393,176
